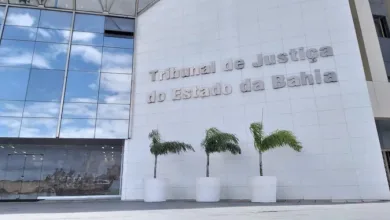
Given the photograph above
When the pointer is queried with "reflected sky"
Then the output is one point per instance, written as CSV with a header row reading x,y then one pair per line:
x,y
23,17
45,85
16,53
117,60
82,87
13,83
110,111
9,127
77,128
55,20
11,108
19,33
89,23
112,129
115,88
85,58
50,56
87,38
79,110
54,36
38,127
41,109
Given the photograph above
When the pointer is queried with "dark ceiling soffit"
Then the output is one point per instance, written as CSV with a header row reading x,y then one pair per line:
x,y
147,7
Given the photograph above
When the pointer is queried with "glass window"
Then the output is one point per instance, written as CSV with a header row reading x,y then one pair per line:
x,y
123,7
82,87
68,4
41,109
119,24
55,20
1,14
77,128
89,23
54,36
110,111
382,28
85,58
50,56
23,17
38,127
117,60
19,33
9,127
112,129
115,88
79,110
45,85
118,42
11,108
16,53
13,83
87,38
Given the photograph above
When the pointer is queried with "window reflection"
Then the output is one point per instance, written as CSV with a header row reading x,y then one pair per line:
x,y
82,87
112,129
16,53
119,42
119,24
54,36
110,111
11,108
13,83
79,110
50,56
77,128
117,60
55,20
89,23
85,58
19,33
9,127
45,85
115,88
87,38
38,127
1,14
41,109
23,17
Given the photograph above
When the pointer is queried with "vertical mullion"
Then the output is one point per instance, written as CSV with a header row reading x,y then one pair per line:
x,y
3,25
65,76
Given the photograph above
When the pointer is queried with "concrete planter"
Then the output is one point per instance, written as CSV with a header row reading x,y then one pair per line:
x,y
155,190
208,189
263,189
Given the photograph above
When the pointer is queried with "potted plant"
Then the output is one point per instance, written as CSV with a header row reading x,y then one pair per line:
x,y
208,189
155,189
263,188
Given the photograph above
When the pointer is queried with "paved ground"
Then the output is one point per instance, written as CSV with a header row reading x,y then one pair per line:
x,y
116,210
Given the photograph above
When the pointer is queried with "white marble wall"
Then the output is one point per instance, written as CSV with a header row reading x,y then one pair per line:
x,y
341,157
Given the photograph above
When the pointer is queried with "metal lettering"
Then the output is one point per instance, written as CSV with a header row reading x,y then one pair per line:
x,y
278,82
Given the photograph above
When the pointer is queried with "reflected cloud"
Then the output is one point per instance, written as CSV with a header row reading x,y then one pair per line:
x,y
85,58
41,109
21,19
9,127
112,129
110,111
87,38
49,35
38,127
117,60
11,108
77,128
16,53
115,88
50,56
79,110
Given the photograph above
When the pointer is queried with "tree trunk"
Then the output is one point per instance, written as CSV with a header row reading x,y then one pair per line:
x,y
261,163
155,166
207,166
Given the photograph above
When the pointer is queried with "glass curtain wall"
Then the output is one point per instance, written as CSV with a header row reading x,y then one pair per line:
x,y
33,65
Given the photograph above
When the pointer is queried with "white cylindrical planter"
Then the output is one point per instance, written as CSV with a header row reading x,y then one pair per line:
x,y
208,189
263,189
155,190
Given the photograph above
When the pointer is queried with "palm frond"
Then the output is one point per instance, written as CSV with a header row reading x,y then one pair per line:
x,y
257,133
217,141
158,147
281,138
155,137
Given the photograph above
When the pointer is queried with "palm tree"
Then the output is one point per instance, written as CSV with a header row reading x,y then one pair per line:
x,y
217,141
279,138
157,147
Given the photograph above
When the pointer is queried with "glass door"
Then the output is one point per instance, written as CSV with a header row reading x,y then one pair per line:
x,y
22,176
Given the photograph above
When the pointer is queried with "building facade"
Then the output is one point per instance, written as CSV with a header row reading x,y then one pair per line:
x,y
82,83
